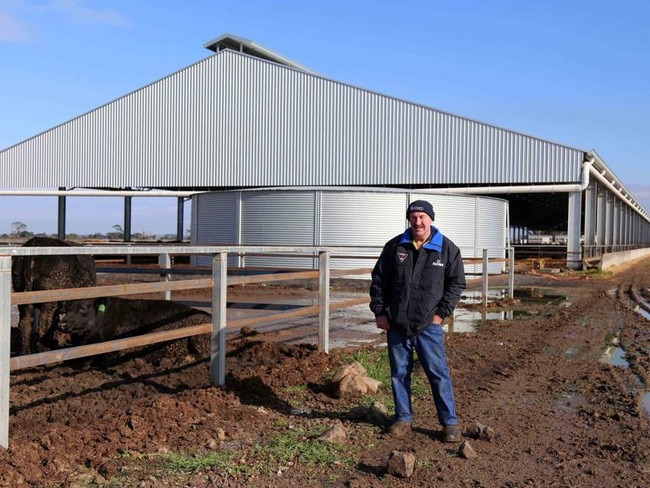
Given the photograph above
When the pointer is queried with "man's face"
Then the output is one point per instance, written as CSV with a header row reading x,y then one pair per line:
x,y
420,225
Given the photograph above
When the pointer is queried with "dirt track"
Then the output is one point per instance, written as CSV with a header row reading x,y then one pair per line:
x,y
561,417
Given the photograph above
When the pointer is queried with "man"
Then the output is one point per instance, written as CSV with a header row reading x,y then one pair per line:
x,y
416,283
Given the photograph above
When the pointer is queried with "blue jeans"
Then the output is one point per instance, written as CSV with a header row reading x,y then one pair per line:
x,y
430,347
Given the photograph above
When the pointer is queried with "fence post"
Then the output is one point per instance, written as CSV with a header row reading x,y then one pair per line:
x,y
164,261
219,286
511,273
5,346
323,301
485,277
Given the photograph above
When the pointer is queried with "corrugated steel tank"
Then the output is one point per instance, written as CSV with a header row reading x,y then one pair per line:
x,y
341,217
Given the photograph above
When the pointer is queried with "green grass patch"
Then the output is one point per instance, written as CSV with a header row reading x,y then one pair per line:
x,y
302,446
297,446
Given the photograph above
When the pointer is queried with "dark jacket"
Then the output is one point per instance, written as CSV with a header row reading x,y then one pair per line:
x,y
412,293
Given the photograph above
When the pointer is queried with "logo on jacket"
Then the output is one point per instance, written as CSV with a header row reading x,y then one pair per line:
x,y
437,263
402,256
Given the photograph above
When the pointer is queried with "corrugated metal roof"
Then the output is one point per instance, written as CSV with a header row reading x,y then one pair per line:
x,y
233,120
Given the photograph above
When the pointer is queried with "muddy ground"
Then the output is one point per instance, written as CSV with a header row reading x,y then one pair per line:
x,y
561,416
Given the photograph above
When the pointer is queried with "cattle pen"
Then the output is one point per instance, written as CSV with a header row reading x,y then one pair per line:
x,y
218,282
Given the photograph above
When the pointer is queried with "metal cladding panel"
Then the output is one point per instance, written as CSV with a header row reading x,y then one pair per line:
x,y
474,223
492,223
217,218
492,232
455,218
232,120
356,218
215,222
278,218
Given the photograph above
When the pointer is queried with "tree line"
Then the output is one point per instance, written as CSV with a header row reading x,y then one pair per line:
x,y
20,231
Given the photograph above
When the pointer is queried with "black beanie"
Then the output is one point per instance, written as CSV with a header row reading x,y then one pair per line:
x,y
421,206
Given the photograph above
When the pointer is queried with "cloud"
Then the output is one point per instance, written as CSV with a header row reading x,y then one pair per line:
x,y
84,11
21,19
12,30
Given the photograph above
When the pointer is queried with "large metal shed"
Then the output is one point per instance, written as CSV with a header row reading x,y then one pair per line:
x,y
247,117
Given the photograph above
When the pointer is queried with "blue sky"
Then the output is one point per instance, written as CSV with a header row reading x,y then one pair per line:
x,y
570,71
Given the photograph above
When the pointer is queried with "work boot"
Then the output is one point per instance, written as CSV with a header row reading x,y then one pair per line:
x,y
399,428
451,433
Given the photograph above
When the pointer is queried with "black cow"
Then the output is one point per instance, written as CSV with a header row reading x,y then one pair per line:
x,y
37,273
101,319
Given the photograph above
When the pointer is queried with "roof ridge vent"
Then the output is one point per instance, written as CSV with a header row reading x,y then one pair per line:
x,y
251,48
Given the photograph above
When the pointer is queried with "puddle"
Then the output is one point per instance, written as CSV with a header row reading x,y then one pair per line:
x,y
354,325
615,355
530,295
465,320
642,311
645,402
475,297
